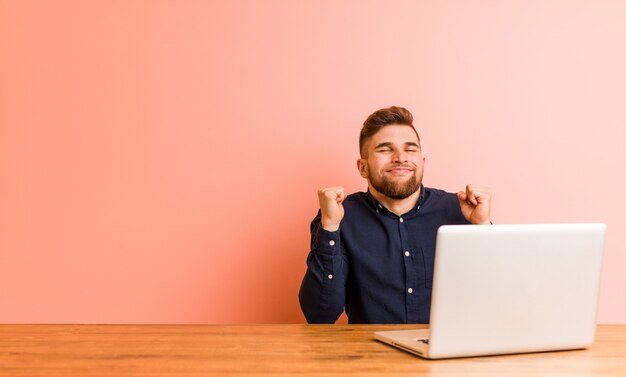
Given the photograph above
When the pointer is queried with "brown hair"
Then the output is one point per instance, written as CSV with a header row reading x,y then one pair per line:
x,y
381,118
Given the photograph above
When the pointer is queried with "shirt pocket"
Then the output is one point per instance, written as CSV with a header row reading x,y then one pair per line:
x,y
428,259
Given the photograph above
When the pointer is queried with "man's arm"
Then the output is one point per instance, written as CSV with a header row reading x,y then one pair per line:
x,y
323,290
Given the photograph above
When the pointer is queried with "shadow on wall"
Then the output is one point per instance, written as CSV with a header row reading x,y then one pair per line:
x,y
280,283
263,284
284,277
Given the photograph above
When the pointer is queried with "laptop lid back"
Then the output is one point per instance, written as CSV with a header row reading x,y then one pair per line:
x,y
515,288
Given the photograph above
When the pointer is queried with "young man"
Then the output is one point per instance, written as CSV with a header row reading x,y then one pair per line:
x,y
373,252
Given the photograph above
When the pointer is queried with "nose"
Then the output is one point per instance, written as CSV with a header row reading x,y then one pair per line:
x,y
400,157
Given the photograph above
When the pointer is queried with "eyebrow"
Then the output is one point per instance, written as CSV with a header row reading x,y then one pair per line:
x,y
389,144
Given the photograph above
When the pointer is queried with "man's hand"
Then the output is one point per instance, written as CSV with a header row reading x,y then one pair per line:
x,y
476,204
331,207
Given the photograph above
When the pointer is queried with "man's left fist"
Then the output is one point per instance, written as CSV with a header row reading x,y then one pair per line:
x,y
475,204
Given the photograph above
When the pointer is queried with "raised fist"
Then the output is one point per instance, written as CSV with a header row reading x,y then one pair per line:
x,y
331,207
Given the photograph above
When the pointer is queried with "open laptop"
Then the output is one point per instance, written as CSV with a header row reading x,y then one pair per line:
x,y
501,289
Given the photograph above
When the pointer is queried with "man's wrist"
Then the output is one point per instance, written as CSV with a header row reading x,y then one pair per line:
x,y
488,222
330,228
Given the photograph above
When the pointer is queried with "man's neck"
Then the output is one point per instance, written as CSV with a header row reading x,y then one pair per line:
x,y
397,206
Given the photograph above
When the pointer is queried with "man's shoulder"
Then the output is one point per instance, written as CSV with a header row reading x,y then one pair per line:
x,y
438,192
356,199
439,195
359,195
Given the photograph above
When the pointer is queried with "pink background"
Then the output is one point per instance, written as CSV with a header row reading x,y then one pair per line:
x,y
159,160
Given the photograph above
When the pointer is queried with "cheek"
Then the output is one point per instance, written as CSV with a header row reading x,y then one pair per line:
x,y
379,168
419,162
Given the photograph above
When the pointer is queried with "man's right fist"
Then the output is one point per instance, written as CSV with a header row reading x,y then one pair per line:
x,y
331,207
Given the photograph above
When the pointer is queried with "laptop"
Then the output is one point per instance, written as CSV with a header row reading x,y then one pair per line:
x,y
502,289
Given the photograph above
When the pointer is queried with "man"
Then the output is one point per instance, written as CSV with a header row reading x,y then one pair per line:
x,y
373,252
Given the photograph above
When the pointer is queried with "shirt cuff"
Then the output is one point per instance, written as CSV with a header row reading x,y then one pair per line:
x,y
327,242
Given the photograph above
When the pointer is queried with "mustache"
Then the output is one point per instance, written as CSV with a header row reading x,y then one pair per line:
x,y
402,166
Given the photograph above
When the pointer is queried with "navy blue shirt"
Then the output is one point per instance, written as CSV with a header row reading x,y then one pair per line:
x,y
377,265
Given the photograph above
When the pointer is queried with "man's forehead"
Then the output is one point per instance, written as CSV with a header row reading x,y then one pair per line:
x,y
395,134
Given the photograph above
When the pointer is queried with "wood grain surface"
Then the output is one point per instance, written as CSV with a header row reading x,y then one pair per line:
x,y
262,350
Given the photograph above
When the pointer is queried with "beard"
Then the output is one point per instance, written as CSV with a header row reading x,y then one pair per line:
x,y
400,189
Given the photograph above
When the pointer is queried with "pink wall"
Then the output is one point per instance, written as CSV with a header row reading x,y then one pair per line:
x,y
159,160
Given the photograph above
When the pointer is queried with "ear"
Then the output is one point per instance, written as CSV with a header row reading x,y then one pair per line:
x,y
361,164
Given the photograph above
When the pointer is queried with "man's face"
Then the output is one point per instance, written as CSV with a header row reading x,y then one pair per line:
x,y
394,165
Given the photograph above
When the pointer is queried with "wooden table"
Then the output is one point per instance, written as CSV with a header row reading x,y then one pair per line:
x,y
261,350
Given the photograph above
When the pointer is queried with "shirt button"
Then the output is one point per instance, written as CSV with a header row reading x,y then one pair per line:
x,y
406,253
401,220
331,242
330,277
410,290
